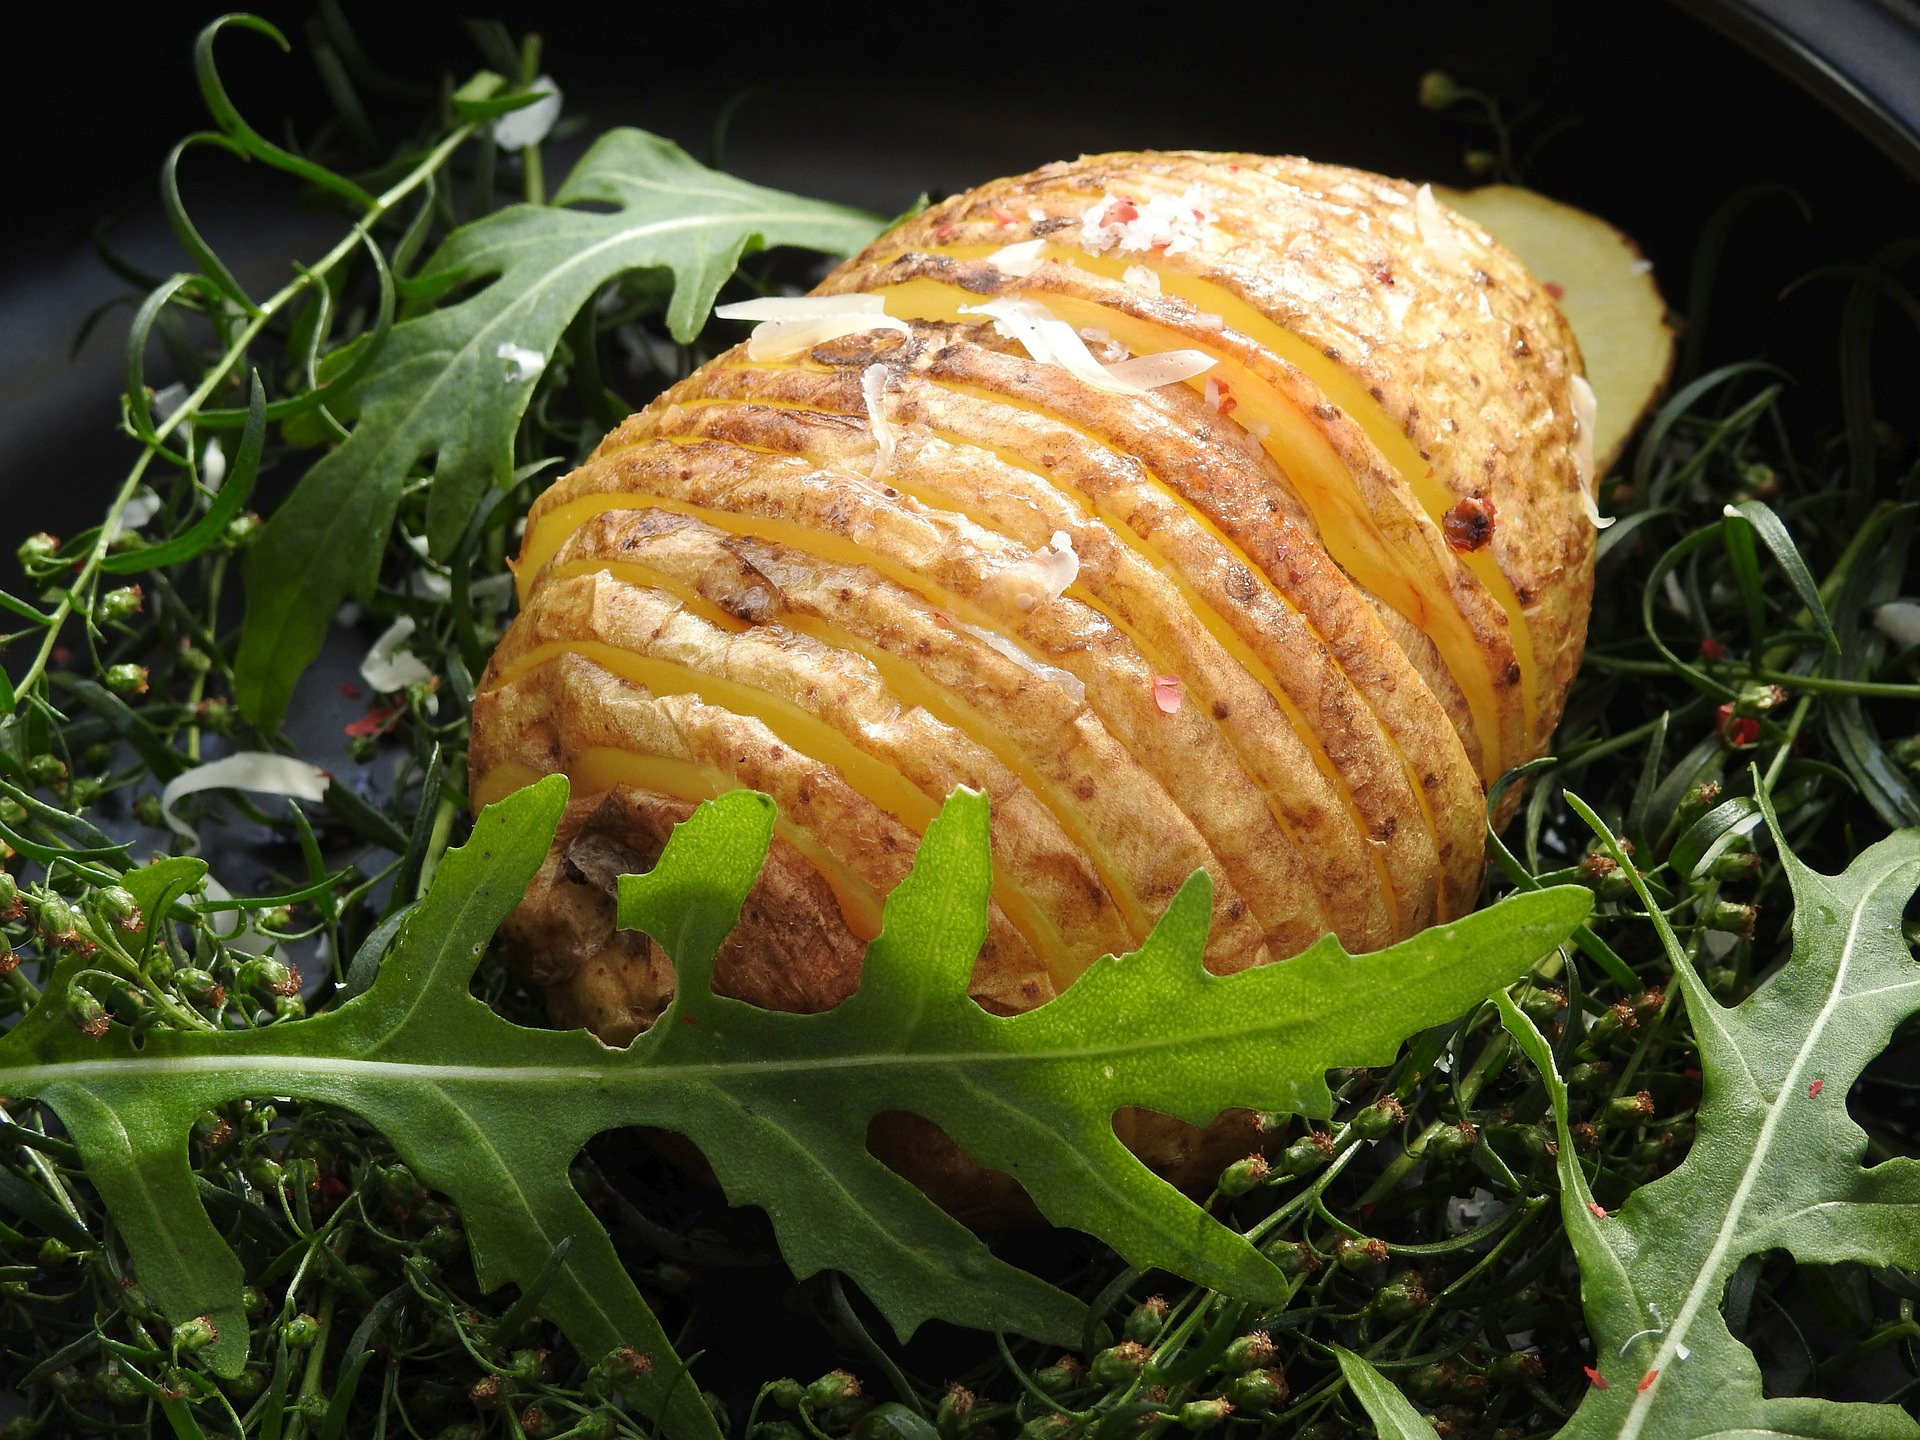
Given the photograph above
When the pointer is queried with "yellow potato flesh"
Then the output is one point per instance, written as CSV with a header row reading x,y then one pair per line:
x,y
1324,485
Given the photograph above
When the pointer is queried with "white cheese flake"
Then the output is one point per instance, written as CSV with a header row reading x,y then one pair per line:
x,y
526,127
1437,232
522,363
1899,621
1141,278
257,770
793,324
1054,342
1065,679
388,666
1019,260
1585,410
873,388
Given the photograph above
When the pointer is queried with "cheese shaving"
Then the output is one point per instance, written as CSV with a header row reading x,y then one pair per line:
x,y
873,388
1141,278
1170,224
390,667
1019,260
1065,679
1585,410
793,324
1899,621
1054,342
1169,367
1045,574
256,770
1437,232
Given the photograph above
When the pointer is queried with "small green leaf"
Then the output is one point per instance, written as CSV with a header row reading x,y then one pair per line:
x,y
1392,1413
1773,533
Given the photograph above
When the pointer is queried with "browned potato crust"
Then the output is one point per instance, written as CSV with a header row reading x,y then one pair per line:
x,y
1283,620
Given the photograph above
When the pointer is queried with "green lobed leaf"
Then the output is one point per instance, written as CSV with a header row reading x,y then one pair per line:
x,y
1776,1165
440,387
492,1114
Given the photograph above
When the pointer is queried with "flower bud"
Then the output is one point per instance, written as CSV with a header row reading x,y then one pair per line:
x,y
955,1412
1149,1317
246,1386
1307,1154
1543,1003
1735,866
300,1331
1731,919
200,988
1358,1252
1050,1426
270,975
242,530
1252,1351
46,769
1590,1075
121,604
831,1389
1258,1391
89,1016
1063,1375
531,1366
193,658
1516,1368
626,1364
1378,1118
485,1392
126,679
119,907
1451,1142
1433,1382
289,1007
37,551
1291,1257
195,1334
537,1424
1627,1110
1197,1415
1242,1175
1119,1365
1400,1298
1438,90
1696,802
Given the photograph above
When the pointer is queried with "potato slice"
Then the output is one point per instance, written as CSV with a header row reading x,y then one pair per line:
x,y
1605,289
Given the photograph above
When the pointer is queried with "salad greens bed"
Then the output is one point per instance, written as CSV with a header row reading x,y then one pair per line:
x,y
304,1162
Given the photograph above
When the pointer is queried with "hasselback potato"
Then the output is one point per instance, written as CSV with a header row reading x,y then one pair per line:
x,y
1205,510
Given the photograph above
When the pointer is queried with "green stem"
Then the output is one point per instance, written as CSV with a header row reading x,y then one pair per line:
x,y
216,376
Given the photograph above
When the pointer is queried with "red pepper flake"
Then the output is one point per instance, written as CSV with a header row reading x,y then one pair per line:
x,y
1646,1381
1739,731
1233,169
1220,397
1168,693
1712,650
1558,292
689,1020
350,690
1004,217
1121,212
1599,1211
944,232
1599,1380
378,720
1815,1088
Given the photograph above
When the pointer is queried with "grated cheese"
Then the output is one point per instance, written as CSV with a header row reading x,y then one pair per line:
x,y
793,324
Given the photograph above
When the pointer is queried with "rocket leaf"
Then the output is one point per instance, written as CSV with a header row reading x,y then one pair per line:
x,y
1776,1165
453,383
492,1113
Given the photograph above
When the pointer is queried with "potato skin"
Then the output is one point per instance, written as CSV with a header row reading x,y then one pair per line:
x,y
1217,687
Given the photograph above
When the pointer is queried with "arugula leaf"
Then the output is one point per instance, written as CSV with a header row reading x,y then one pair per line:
x,y
444,386
492,1113
1776,1165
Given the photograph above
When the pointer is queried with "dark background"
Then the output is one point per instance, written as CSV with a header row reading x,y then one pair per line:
x,y
873,103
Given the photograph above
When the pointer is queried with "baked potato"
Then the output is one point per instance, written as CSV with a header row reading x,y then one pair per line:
x,y
1204,510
